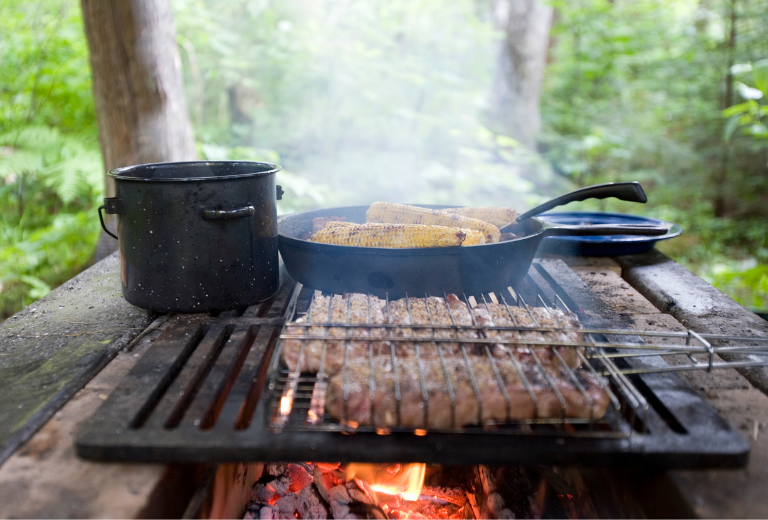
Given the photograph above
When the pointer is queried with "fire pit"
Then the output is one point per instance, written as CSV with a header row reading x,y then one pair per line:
x,y
333,490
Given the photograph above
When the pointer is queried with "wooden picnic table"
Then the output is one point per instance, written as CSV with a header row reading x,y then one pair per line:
x,y
62,356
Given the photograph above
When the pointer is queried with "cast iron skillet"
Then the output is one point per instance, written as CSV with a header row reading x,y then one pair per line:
x,y
470,269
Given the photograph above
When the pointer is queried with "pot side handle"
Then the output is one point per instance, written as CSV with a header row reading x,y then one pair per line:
x,y
226,214
112,206
608,229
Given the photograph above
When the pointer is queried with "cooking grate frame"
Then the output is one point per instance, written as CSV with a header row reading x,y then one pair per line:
x,y
299,391
200,394
298,396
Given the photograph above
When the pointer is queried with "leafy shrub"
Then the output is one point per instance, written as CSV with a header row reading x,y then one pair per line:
x,y
50,164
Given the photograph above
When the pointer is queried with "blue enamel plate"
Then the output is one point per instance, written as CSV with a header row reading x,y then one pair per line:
x,y
602,245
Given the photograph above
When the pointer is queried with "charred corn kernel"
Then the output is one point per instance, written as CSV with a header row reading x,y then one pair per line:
x,y
391,213
498,216
393,235
474,237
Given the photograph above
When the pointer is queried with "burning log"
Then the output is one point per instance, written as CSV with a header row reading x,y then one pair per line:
x,y
449,495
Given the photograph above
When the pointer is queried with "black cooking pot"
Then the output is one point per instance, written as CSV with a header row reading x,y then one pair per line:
x,y
196,236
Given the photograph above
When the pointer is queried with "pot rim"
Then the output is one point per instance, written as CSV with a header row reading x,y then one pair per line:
x,y
120,173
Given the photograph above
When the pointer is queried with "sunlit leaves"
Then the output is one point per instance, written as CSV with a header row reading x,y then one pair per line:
x,y
649,108
748,92
740,68
731,126
760,75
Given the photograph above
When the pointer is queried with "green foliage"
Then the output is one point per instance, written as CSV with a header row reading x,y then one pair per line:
x,y
50,165
636,90
748,284
749,116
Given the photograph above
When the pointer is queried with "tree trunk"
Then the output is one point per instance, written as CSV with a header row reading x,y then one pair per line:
x,y
521,60
721,202
137,86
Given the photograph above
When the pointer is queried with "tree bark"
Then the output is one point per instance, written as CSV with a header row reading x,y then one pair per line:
x,y
521,60
721,202
137,85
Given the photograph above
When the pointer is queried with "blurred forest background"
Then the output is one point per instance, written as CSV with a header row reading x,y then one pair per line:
x,y
391,100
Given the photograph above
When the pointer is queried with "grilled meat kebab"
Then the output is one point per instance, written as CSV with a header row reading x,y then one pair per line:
x,y
344,365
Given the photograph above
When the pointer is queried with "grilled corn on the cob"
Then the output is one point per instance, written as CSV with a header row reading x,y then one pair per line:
x,y
498,216
396,235
339,224
392,213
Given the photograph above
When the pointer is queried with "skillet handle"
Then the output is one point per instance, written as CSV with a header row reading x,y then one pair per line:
x,y
629,191
608,229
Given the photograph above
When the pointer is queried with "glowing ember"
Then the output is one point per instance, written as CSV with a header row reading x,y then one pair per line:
x,y
404,480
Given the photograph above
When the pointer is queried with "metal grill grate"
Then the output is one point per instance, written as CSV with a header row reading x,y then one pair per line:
x,y
298,398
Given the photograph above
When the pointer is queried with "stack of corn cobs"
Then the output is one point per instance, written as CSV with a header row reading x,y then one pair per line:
x,y
400,226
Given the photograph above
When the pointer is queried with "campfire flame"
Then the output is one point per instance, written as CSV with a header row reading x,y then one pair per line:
x,y
286,403
404,480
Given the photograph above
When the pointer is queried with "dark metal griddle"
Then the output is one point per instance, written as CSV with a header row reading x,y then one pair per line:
x,y
201,394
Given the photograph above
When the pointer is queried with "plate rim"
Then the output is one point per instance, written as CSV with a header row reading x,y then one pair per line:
x,y
675,230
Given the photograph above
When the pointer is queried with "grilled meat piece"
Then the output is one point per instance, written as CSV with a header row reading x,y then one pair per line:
x,y
501,315
359,308
441,383
440,393
389,212
354,308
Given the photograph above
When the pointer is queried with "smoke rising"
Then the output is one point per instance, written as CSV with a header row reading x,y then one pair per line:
x,y
358,101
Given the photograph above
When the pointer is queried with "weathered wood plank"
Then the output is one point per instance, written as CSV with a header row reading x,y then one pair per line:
x,y
675,290
713,494
623,299
51,349
591,263
45,479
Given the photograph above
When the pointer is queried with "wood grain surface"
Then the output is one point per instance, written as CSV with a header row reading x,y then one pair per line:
x,y
51,349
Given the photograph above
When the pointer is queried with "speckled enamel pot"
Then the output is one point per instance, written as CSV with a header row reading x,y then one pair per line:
x,y
196,236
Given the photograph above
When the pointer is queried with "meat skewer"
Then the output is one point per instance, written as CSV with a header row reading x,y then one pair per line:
x,y
439,411
356,309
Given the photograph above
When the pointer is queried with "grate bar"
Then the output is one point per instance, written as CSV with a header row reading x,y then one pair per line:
x,y
179,396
